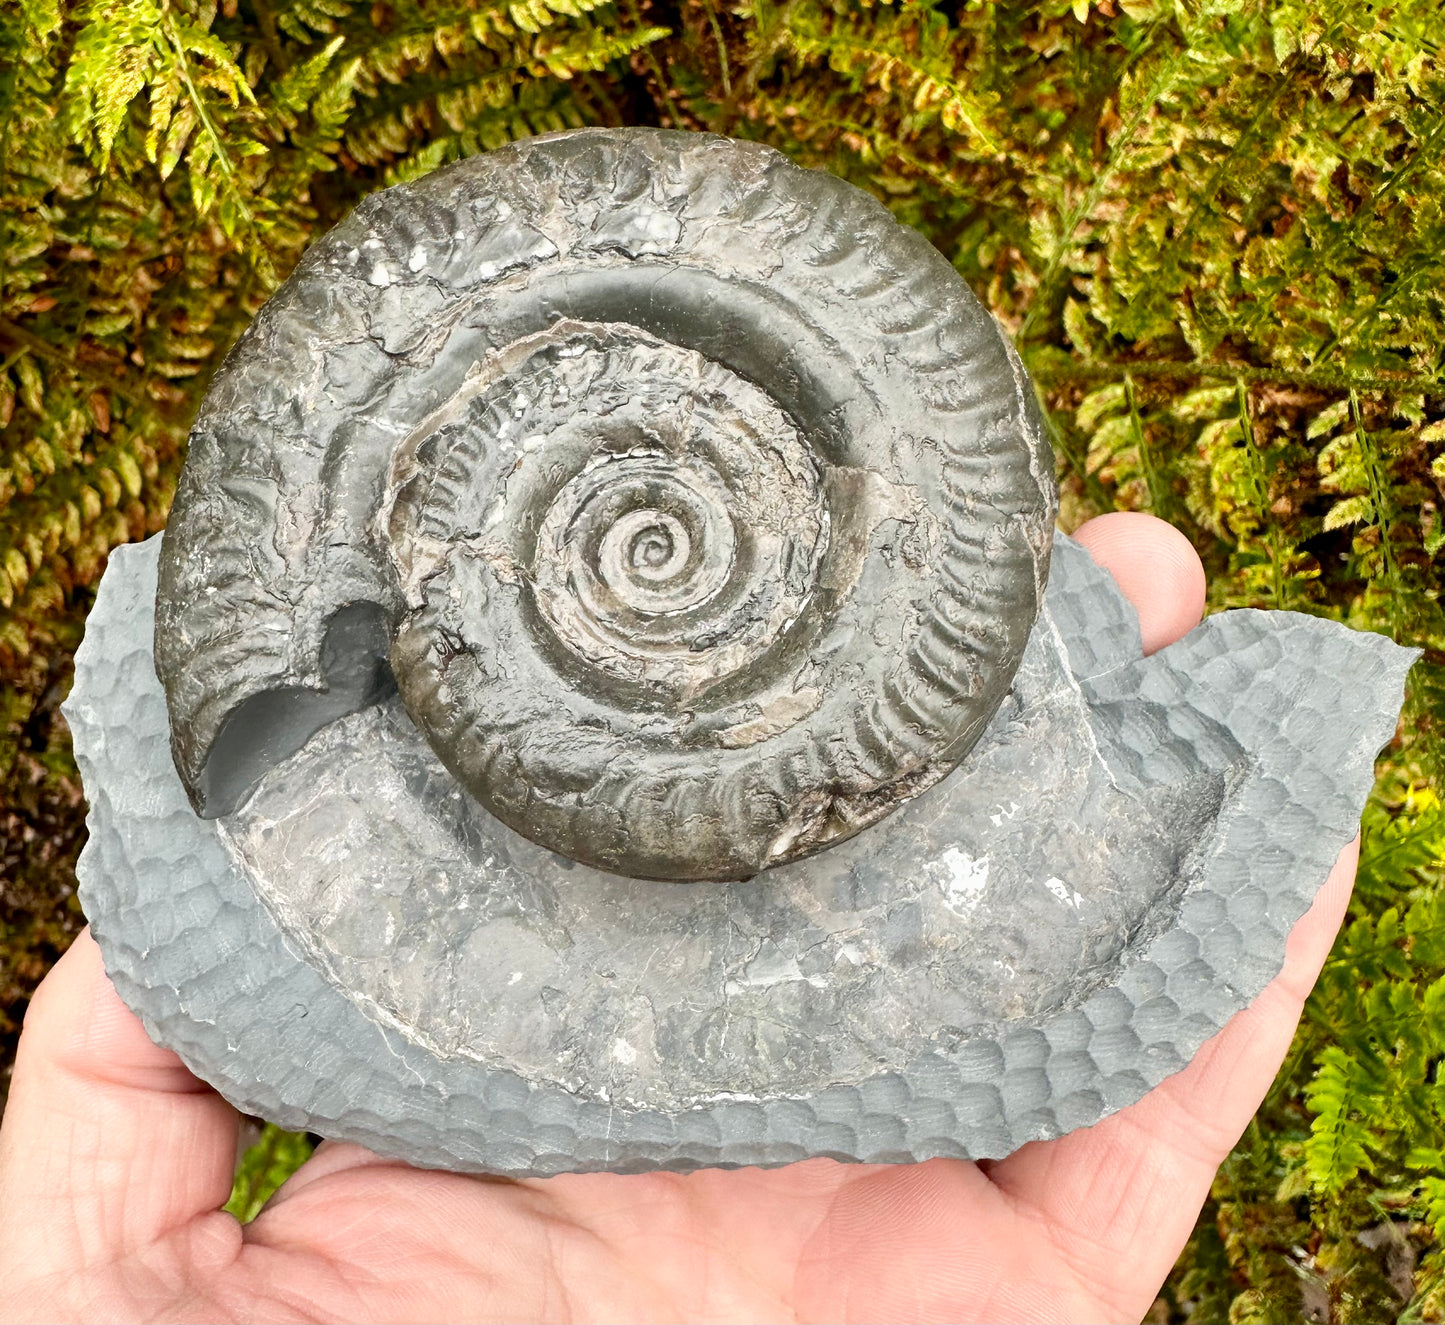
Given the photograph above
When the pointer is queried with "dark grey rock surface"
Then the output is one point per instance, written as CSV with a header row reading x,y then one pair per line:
x,y
699,508
1032,943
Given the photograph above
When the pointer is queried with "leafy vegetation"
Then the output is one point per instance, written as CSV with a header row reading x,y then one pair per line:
x,y
267,1162
1215,227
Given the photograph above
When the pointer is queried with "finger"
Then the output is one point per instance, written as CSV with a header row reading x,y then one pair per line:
x,y
1121,1198
1156,567
327,1160
108,1143
930,1242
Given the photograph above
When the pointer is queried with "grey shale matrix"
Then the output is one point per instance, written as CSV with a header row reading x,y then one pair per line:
x,y
602,701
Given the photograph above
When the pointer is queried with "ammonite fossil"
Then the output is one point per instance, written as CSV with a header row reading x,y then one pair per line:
x,y
698,508
629,506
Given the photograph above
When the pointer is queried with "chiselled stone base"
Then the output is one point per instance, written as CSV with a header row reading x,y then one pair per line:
x,y
1032,943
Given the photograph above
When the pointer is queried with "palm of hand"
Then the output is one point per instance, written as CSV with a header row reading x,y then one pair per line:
x,y
114,1163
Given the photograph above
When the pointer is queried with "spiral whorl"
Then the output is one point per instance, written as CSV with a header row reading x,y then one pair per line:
x,y
665,516
707,510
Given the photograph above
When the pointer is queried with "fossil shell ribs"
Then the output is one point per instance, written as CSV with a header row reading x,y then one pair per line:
x,y
697,508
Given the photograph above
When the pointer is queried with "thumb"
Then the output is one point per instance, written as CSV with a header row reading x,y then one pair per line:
x,y
109,1145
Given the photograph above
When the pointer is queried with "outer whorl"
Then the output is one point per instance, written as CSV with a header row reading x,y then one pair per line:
x,y
697,508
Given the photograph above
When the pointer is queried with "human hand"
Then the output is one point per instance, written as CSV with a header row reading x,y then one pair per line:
x,y
115,1162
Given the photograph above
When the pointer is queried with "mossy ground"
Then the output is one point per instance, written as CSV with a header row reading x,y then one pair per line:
x,y
1215,228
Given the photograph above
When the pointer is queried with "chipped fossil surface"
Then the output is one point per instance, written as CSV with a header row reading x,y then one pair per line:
x,y
1029,944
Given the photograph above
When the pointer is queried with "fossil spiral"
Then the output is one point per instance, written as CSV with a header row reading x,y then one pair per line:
x,y
696,509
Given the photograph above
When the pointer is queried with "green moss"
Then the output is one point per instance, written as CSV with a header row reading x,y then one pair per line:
x,y
1217,231
268,1161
